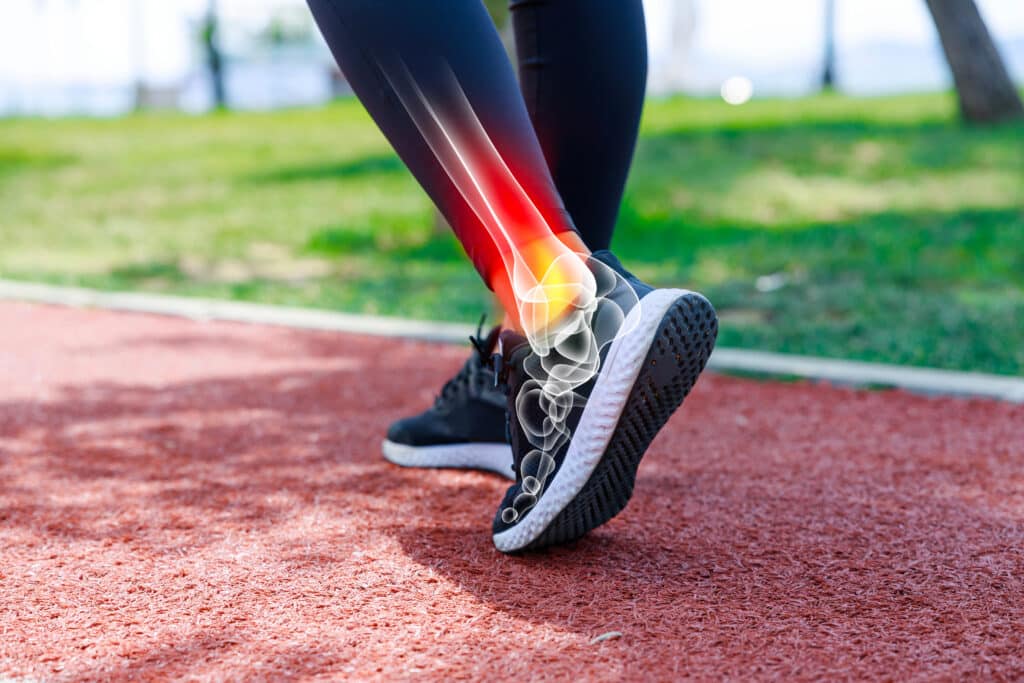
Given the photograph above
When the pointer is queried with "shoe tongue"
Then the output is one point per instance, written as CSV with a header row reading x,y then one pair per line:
x,y
511,342
515,350
490,342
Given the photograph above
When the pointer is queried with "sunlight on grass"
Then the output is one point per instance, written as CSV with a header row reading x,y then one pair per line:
x,y
891,231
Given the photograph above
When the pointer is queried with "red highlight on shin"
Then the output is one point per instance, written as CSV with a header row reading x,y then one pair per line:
x,y
537,263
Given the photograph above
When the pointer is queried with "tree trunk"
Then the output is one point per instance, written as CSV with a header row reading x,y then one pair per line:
x,y
214,58
828,74
985,90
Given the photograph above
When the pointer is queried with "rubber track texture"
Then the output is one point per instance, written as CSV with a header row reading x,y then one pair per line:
x,y
678,353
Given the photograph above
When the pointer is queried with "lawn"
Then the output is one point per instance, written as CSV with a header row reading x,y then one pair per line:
x,y
875,229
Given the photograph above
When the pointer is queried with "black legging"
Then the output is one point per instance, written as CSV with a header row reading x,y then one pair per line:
x,y
567,138
583,74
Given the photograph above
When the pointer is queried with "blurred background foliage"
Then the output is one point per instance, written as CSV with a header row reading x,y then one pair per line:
x,y
876,228
870,228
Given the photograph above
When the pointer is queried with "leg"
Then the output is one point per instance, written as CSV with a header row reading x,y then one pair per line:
x,y
439,86
583,72
577,445
438,83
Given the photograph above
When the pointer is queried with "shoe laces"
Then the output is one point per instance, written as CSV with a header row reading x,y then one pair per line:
x,y
457,384
508,378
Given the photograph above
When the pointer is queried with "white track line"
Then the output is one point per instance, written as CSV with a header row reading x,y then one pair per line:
x,y
857,373
216,309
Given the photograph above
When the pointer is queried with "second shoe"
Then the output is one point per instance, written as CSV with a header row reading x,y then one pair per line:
x,y
466,426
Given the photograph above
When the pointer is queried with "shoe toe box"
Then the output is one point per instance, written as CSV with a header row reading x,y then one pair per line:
x,y
419,430
502,518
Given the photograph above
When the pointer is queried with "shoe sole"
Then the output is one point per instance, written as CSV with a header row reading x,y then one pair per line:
x,y
492,457
646,375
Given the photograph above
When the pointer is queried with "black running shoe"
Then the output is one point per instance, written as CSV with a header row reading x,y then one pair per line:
x,y
465,428
576,452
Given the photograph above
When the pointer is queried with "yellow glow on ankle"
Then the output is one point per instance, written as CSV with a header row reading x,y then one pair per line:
x,y
551,281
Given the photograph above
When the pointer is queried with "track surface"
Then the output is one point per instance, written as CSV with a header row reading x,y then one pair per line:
x,y
207,501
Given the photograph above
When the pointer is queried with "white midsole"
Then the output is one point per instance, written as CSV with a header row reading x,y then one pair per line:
x,y
494,457
599,420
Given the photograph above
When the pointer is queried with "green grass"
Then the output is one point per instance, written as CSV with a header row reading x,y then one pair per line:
x,y
878,229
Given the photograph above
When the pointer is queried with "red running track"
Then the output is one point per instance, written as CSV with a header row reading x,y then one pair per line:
x,y
206,501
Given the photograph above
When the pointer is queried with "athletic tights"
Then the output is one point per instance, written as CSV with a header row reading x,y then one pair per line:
x,y
518,169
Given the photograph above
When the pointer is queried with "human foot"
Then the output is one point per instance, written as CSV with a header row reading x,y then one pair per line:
x,y
583,412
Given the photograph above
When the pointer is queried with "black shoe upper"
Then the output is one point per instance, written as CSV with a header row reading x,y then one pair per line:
x,y
469,409
529,410
639,287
